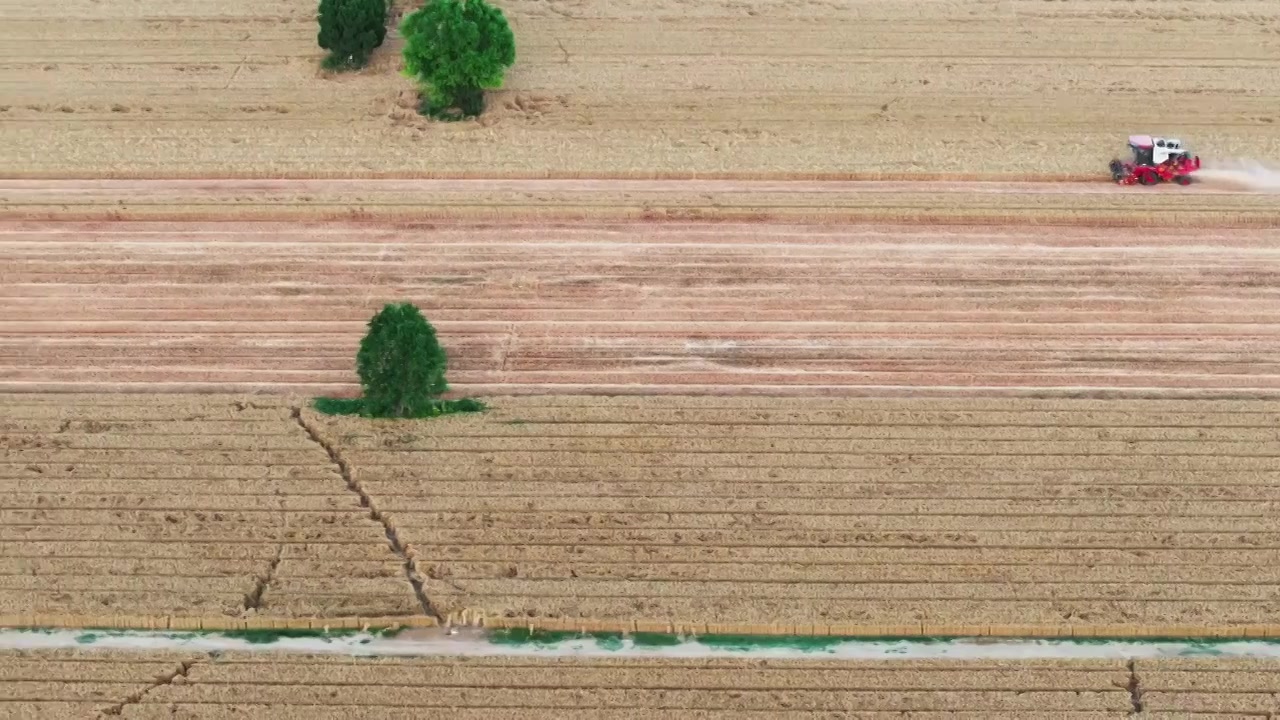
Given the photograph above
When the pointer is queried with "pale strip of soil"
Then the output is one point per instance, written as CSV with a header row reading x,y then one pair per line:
x,y
413,710
833,591
561,511
205,531
422,447
894,575
177,472
764,434
192,599
248,444
948,411
194,550
140,429
786,540
267,496
805,462
936,487
904,560
297,492
1077,610
658,479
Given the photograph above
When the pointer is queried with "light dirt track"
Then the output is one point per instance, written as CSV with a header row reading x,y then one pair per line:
x,y
122,507
236,685
645,308
159,87
1104,516
1093,203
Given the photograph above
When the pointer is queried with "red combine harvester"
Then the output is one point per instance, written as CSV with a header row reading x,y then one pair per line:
x,y
1155,159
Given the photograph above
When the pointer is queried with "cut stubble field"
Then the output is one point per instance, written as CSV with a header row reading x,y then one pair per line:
x,y
708,514
1014,88
186,508
197,686
890,516
642,308
720,513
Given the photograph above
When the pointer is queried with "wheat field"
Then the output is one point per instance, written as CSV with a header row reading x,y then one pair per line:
x,y
1003,87
740,279
198,686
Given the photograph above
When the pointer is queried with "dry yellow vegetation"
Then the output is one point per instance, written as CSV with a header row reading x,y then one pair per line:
x,y
117,507
196,686
726,514
239,685
1022,87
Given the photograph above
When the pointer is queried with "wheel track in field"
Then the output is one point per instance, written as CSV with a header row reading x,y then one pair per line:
x,y
949,201
402,551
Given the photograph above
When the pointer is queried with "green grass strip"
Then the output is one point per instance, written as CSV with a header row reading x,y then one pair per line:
x,y
811,643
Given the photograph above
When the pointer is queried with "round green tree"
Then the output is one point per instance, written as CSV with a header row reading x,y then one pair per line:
x,y
457,49
350,30
401,364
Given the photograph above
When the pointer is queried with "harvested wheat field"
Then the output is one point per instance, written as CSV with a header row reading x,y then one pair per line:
x,y
729,515
82,684
1013,87
1210,688
600,307
120,506
1213,204
237,685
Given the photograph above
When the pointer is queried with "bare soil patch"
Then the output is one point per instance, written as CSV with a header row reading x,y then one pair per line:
x,y
670,87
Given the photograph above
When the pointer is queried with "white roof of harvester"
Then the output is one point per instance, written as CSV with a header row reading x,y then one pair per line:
x,y
1142,141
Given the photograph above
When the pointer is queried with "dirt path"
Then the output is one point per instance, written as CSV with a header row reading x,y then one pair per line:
x,y
617,307
948,201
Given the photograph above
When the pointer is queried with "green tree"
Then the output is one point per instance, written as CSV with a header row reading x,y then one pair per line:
x,y
456,49
350,30
401,367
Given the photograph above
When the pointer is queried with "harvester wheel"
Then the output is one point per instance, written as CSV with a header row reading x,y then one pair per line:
x,y
1148,178
1183,179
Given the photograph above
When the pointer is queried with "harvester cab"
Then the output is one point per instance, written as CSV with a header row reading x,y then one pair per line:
x,y
1155,159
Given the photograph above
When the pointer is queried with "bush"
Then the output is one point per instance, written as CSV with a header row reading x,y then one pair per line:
x,y
402,368
456,49
350,30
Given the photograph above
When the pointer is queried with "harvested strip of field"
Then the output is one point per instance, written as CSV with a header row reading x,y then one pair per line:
x,y
82,684
172,506
643,86
645,308
1096,203
321,687
1210,688
892,513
